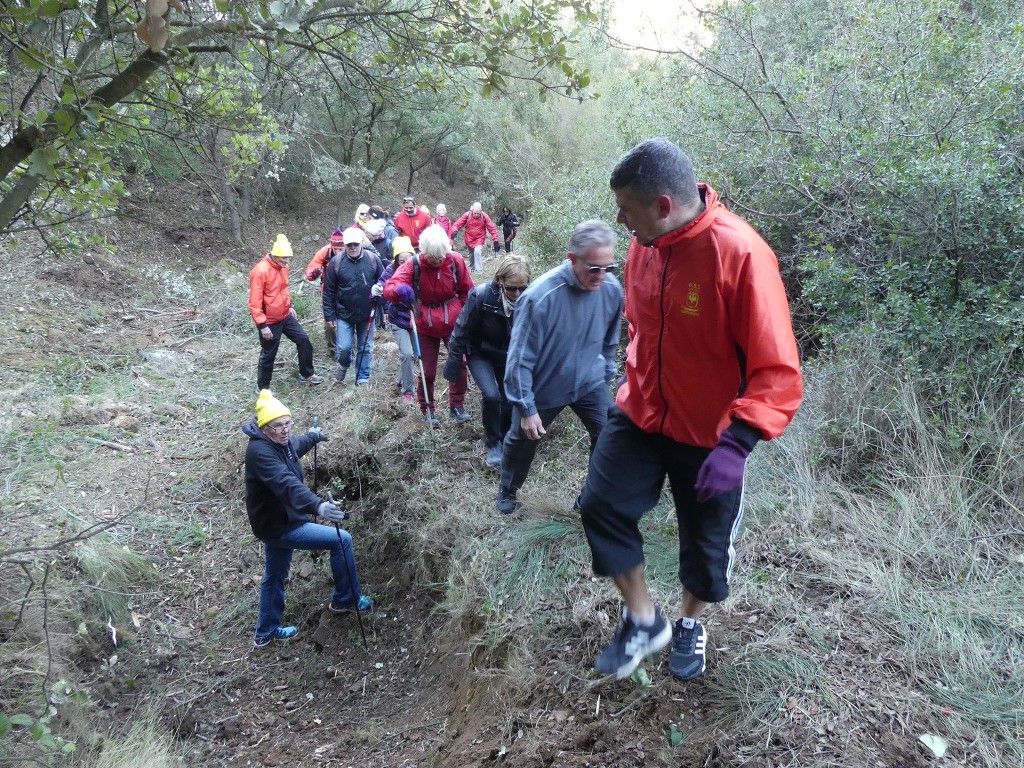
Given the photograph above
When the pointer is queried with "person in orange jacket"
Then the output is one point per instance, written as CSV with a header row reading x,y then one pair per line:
x,y
478,225
270,304
711,369
315,270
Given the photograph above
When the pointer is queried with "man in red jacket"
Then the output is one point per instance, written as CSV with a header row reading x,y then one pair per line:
x,y
270,304
478,225
711,369
411,221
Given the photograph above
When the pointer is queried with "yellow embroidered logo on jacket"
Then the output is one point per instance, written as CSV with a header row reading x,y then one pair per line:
x,y
692,305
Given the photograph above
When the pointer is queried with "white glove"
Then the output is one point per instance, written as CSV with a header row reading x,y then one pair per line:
x,y
331,511
377,290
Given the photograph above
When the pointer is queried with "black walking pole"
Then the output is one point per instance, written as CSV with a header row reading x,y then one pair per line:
x,y
359,352
351,580
316,445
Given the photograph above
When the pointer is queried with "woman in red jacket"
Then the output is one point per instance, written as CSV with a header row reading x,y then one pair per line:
x,y
435,284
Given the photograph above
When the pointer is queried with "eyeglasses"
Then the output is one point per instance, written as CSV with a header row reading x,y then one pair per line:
x,y
596,269
514,288
281,427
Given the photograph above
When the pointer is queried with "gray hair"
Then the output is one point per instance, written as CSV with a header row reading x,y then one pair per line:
x,y
441,209
434,241
656,167
475,207
591,234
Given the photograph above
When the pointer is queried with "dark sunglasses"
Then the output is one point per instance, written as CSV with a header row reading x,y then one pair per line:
x,y
594,269
513,288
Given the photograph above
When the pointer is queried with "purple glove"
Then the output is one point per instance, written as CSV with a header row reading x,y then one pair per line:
x,y
722,470
406,293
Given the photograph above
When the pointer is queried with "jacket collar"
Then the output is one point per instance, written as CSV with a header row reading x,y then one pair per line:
x,y
692,229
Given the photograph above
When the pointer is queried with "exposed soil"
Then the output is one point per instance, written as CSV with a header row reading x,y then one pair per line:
x,y
423,691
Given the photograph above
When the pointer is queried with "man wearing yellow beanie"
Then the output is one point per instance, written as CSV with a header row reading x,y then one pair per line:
x,y
270,305
278,502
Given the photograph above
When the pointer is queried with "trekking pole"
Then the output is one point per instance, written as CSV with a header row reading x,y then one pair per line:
x,y
316,445
350,565
360,353
419,357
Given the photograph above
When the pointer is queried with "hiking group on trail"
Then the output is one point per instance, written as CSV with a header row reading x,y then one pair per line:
x,y
711,369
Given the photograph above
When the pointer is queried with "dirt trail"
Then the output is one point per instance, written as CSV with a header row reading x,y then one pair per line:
x,y
143,368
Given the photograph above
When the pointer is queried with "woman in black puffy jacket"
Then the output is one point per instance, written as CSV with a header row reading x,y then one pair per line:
x,y
482,334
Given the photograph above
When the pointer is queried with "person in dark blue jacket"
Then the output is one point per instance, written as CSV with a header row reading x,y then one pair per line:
x,y
348,281
279,503
482,333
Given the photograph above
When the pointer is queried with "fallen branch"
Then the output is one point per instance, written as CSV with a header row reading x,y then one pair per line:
x,y
109,444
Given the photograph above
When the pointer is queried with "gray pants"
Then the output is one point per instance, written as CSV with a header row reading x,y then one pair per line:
x,y
406,378
517,456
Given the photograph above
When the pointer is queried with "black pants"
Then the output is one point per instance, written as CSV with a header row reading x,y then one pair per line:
x,y
268,350
627,470
592,408
510,235
495,410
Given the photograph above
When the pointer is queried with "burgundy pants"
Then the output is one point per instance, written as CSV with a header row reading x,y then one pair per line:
x,y
430,348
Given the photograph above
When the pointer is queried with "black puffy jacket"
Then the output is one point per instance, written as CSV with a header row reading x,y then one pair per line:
x,y
276,496
482,328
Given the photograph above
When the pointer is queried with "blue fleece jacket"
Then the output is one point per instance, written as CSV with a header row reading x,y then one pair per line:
x,y
563,340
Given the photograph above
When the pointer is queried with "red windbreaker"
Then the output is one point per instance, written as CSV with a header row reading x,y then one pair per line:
x,y
442,293
412,226
269,299
710,336
477,228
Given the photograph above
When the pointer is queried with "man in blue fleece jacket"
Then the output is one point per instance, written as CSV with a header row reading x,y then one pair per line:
x,y
562,351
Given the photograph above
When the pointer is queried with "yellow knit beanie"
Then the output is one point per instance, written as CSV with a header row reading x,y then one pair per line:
x,y
402,244
282,247
269,408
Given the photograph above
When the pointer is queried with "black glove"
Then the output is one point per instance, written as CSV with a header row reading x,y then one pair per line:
x,y
317,435
497,246
452,369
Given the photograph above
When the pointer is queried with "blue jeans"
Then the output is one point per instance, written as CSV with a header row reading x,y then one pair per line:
x,y
347,335
496,410
278,560
592,409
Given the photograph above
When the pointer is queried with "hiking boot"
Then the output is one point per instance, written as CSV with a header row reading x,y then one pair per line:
x,y
430,419
686,661
365,603
408,397
506,503
494,456
311,379
461,415
281,633
362,382
339,373
631,644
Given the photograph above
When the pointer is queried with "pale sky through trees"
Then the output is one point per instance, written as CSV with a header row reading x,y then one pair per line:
x,y
652,24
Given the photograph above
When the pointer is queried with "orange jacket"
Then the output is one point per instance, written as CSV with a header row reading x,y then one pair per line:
x,y
269,300
318,263
710,336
